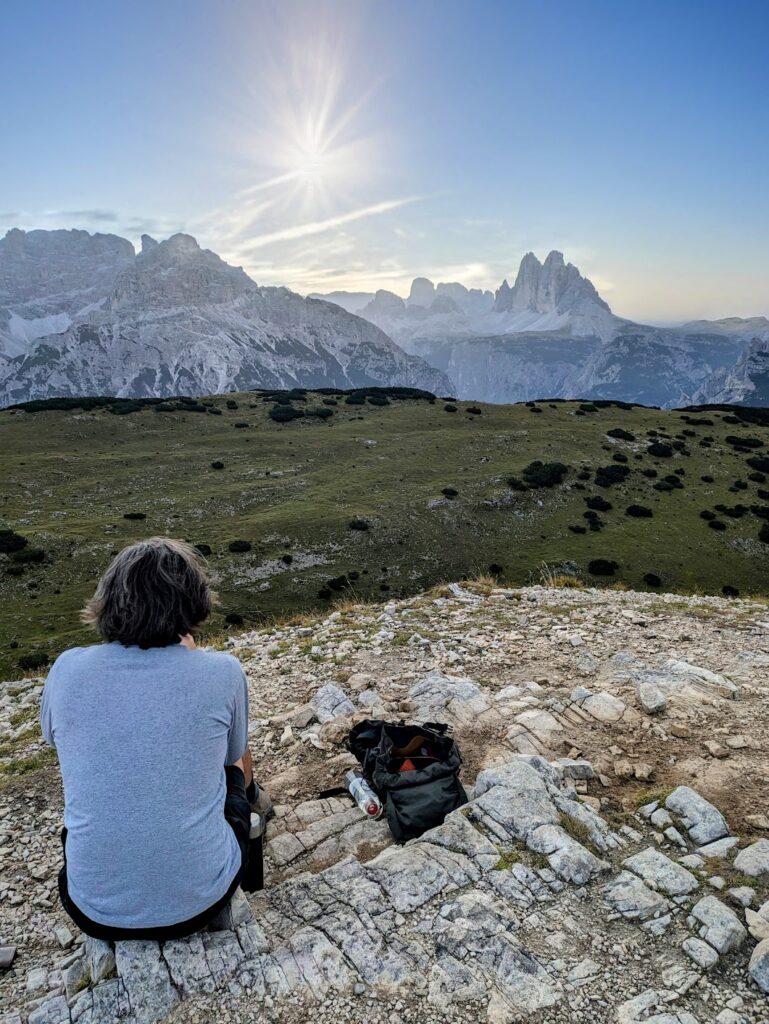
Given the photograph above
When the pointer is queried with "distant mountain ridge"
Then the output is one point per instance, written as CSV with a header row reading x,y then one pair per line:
x,y
552,335
83,314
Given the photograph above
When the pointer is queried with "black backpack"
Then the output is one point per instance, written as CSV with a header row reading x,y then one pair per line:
x,y
413,769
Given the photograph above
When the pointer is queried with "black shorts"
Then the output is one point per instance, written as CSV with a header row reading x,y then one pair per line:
x,y
237,813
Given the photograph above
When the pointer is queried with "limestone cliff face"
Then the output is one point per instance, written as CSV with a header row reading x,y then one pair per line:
x,y
176,319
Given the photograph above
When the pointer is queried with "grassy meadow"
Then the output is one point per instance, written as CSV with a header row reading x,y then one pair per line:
x,y
294,492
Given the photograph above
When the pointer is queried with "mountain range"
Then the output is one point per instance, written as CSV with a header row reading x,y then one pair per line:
x,y
552,335
84,314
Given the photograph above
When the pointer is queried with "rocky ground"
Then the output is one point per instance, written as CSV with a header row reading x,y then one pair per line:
x,y
613,864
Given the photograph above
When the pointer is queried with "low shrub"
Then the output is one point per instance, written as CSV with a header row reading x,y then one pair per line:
x,y
10,542
638,512
473,410
241,425
608,476
239,546
620,434
450,492
28,555
14,569
763,495
358,523
287,559
134,515
716,524
650,473
763,533
324,594
204,549
495,570
285,413
707,515
619,457
757,478
660,451
576,528
232,404
378,400
728,591
758,462
544,474
708,479
234,619
584,474
217,465
743,442
602,567
213,411
356,398
651,579
449,407
330,401
599,503
515,484
320,413
34,661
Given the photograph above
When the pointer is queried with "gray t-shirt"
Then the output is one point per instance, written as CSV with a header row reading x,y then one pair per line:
x,y
143,738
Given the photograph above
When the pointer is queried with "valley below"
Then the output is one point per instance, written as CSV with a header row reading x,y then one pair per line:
x,y
370,502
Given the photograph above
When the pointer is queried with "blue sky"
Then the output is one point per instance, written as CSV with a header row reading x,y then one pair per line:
x,y
356,144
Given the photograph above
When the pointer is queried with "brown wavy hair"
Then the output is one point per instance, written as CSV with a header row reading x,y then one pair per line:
x,y
154,592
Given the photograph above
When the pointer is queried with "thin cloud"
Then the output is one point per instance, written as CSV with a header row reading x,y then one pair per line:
x,y
106,216
317,227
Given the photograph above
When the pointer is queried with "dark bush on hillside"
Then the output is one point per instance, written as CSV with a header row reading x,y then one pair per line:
x,y
590,514
544,474
330,401
473,410
14,569
584,474
659,451
599,503
358,523
165,407
663,486
762,494
320,413
535,408
287,559
10,542
134,515
578,412
650,473
757,478
588,407
707,515
239,546
495,569
651,579
602,567
716,524
758,462
736,512
763,533
708,479
760,511
31,662
28,556
231,403
739,485
744,442
700,422
378,400
450,492
579,487
285,413
674,481
608,476
217,465
204,549
620,434
213,411
728,591
337,583
354,575
324,593
619,457
449,407
690,433
241,425
356,398
234,619
638,512
578,529
515,484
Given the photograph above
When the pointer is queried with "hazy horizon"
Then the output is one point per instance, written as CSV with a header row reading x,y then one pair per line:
x,y
354,145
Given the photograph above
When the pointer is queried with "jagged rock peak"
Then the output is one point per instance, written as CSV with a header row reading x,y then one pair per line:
x,y
190,276
552,286
422,292
148,242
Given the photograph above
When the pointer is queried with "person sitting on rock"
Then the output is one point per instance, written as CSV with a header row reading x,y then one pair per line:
x,y
151,735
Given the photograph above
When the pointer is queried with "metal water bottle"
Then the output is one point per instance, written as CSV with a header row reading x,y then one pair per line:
x,y
363,795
